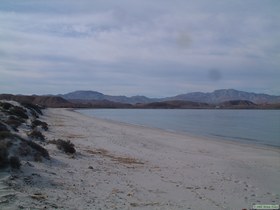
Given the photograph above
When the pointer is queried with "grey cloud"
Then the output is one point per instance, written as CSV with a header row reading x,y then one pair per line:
x,y
133,46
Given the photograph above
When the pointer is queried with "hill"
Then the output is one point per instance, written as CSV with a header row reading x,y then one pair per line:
x,y
46,101
216,97
174,105
87,95
223,99
219,96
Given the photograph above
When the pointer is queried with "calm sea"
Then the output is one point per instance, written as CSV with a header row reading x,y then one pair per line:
x,y
250,126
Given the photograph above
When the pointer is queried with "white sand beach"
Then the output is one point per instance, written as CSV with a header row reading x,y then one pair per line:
x,y
120,166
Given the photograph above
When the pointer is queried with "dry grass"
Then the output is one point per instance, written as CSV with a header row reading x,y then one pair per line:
x,y
102,152
119,159
73,136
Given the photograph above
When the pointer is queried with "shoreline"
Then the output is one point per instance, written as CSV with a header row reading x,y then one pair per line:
x,y
213,138
120,166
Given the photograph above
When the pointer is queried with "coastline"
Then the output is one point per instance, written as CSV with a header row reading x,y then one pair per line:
x,y
209,137
122,166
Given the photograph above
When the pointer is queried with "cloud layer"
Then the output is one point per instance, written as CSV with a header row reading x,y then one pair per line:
x,y
155,48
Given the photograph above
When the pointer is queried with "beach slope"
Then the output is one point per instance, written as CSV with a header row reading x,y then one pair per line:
x,y
120,166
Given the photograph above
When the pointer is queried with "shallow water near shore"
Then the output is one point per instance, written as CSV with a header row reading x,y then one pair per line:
x,y
248,126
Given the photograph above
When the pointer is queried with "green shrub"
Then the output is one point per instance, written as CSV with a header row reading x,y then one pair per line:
x,y
14,162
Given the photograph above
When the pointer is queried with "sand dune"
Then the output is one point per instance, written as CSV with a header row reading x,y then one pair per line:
x,y
120,166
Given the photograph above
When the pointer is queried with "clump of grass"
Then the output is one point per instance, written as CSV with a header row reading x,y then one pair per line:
x,y
37,135
36,123
66,146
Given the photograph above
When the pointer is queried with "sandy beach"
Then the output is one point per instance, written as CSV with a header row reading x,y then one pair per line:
x,y
120,166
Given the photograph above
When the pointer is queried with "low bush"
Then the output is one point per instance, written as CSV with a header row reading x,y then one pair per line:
x,y
36,123
19,112
37,135
34,107
14,162
5,105
34,114
66,146
14,122
41,150
12,117
31,148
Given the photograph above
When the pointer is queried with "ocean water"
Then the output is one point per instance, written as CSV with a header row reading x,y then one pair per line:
x,y
249,126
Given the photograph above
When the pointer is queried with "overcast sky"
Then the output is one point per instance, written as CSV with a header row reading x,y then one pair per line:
x,y
130,47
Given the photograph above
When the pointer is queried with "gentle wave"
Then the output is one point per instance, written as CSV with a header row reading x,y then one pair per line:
x,y
236,137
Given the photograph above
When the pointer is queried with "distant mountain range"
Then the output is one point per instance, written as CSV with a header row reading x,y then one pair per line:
x,y
216,97
97,96
223,99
